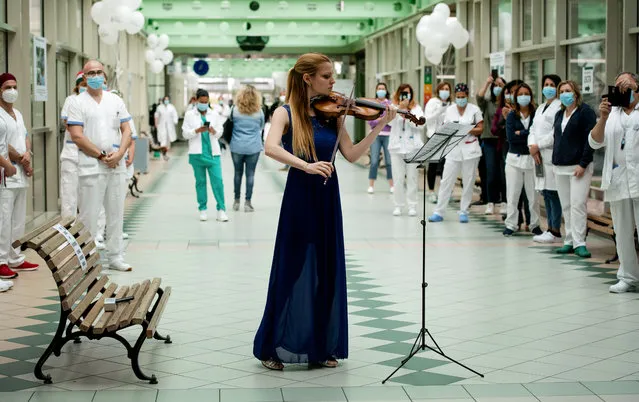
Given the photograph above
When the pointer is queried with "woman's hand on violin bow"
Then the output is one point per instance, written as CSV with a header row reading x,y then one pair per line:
x,y
391,113
321,168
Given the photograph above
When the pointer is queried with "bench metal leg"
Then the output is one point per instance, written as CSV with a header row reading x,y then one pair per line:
x,y
134,356
37,371
166,339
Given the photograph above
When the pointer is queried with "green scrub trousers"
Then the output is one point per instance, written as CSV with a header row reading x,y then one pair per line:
x,y
203,163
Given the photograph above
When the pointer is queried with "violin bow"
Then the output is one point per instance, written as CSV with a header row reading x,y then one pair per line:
x,y
341,129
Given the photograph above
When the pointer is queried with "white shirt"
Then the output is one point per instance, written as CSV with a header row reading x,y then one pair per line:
x,y
193,121
434,114
620,176
542,131
15,133
101,125
469,147
405,136
69,149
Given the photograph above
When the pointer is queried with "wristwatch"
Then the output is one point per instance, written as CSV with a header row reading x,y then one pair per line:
x,y
102,155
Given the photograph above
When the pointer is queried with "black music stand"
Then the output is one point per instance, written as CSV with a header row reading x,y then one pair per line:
x,y
438,146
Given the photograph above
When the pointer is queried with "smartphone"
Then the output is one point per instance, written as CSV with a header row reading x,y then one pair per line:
x,y
404,95
494,73
539,170
207,123
616,97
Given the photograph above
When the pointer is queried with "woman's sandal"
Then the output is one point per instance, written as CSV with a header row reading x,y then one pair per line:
x,y
273,365
330,363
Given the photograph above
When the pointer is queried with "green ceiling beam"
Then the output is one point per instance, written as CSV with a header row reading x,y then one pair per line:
x,y
264,28
273,9
209,45
242,68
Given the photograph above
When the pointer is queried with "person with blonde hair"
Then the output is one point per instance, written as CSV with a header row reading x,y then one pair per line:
x,y
246,142
305,319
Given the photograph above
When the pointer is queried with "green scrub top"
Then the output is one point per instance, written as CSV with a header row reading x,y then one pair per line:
x,y
206,157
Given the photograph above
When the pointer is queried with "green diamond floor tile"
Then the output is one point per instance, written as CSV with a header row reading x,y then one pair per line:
x,y
370,303
364,294
384,323
421,378
10,384
376,313
398,348
50,307
41,328
392,335
361,286
33,340
415,363
356,279
26,353
16,368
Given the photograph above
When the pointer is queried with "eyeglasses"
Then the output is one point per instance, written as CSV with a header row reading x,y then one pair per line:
x,y
94,73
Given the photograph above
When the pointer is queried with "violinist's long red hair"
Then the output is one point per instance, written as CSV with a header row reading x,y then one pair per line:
x,y
297,98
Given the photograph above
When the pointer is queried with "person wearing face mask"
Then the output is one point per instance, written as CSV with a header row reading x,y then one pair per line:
x,y
16,149
464,157
202,127
491,159
434,114
617,131
519,164
69,157
166,118
540,144
405,137
380,143
99,125
572,164
192,104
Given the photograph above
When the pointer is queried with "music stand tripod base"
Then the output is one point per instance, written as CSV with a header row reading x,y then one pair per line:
x,y
443,141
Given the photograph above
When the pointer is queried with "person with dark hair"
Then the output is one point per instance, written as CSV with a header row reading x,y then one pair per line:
x,y
381,142
464,157
202,127
540,144
490,174
519,164
572,159
434,114
166,118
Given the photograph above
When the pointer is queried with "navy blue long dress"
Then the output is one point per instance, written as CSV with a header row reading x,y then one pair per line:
x,y
305,318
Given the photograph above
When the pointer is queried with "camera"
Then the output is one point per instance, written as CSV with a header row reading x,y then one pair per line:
x,y
404,96
616,97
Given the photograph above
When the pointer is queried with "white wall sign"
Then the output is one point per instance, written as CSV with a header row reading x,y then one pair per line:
x,y
587,79
39,69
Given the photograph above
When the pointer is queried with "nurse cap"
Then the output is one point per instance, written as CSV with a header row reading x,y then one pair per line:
x,y
7,77
79,77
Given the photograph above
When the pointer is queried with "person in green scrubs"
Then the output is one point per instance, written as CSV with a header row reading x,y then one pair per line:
x,y
202,127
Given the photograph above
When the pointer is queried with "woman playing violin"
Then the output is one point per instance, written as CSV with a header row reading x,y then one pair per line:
x,y
305,318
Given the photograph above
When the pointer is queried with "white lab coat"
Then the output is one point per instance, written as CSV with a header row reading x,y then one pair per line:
x,y
68,167
542,134
620,182
193,121
167,119
434,113
405,137
13,198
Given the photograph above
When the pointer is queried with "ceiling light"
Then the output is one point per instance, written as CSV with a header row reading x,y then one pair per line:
x,y
225,5
315,25
311,6
370,6
167,5
196,5
292,25
179,25
201,25
282,5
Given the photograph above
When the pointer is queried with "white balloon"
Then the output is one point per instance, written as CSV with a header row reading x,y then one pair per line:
x,y
152,40
108,34
157,66
269,26
163,41
460,39
224,26
136,22
432,55
121,16
167,57
134,4
98,13
442,9
158,52
149,55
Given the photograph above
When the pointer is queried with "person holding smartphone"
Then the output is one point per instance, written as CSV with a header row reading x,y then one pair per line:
x,y
202,127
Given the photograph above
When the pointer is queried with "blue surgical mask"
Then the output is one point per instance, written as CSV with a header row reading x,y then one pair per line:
x,y
509,98
166,101
632,96
105,87
444,94
83,89
549,92
461,102
497,91
523,100
567,98
202,107
95,82
381,93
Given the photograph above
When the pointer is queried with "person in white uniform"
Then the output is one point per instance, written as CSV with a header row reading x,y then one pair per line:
x,y
13,195
404,138
540,144
520,165
69,158
572,159
465,156
434,113
618,131
97,121
166,118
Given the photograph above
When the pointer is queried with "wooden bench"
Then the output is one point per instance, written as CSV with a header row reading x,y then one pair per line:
x,y
83,291
603,224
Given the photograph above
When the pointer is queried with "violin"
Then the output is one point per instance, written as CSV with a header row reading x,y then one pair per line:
x,y
335,105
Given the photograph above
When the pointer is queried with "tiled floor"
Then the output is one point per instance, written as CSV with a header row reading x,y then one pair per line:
x,y
541,327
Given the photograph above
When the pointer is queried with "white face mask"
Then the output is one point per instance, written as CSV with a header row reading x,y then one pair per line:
x,y
10,95
282,98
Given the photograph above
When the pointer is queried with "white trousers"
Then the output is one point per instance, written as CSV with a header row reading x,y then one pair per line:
x,y
98,190
573,195
402,169
452,168
102,214
516,179
625,218
13,213
69,188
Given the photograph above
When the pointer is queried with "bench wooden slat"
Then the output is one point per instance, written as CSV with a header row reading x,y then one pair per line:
x,y
75,294
21,242
603,229
73,264
52,246
88,298
601,219
153,322
37,241
66,252
101,325
127,315
114,321
143,308
97,308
